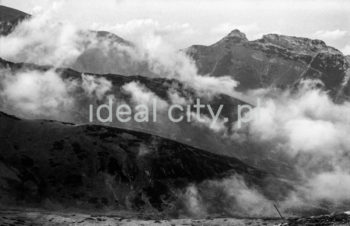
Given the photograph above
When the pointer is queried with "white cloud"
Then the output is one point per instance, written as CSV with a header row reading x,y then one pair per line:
x,y
142,95
164,60
42,41
45,94
136,29
346,50
93,85
176,98
231,196
217,125
308,122
313,131
311,135
330,186
36,93
330,35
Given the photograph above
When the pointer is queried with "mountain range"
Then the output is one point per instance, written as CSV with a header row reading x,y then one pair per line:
x,y
274,60
150,165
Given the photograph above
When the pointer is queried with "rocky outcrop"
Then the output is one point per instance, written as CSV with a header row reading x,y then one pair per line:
x,y
235,36
272,61
322,220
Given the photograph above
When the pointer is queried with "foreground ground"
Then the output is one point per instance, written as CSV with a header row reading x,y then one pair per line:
x,y
33,218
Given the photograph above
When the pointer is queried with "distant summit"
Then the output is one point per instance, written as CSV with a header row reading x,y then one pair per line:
x,y
274,61
234,36
300,44
237,34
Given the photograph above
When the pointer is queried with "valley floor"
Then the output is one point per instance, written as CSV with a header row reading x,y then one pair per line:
x,y
36,218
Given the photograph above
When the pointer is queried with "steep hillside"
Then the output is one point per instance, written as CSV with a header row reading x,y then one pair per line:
x,y
9,18
88,166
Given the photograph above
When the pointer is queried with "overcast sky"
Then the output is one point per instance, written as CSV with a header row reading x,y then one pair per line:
x,y
187,22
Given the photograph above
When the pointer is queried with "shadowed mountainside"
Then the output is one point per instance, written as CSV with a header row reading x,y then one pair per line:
x,y
88,166
9,18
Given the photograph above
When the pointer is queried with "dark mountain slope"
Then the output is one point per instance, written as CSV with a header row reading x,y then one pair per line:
x,y
95,166
9,18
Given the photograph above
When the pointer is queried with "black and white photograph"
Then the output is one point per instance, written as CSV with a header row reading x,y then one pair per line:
x,y
174,112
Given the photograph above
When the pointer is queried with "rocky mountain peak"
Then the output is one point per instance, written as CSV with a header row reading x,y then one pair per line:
x,y
291,40
298,44
234,36
237,34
